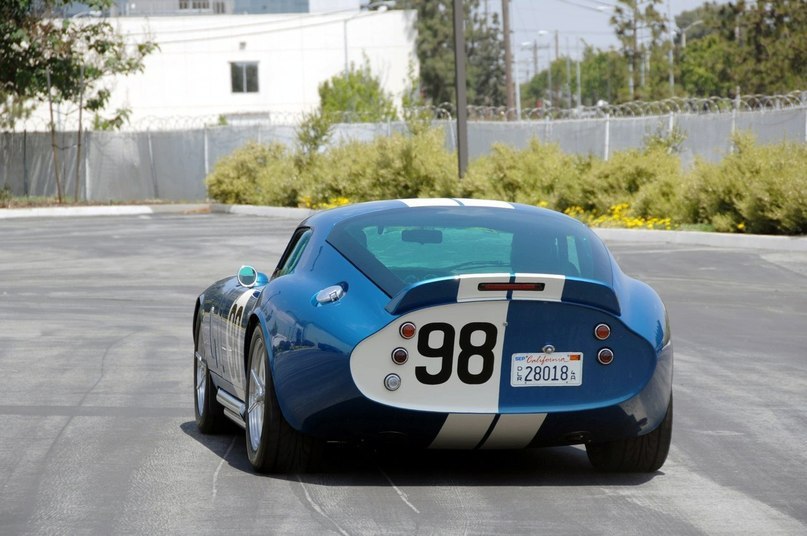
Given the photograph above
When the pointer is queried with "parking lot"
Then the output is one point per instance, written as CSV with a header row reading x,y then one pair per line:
x,y
96,410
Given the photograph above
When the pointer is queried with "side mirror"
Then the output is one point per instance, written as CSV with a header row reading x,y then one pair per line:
x,y
247,276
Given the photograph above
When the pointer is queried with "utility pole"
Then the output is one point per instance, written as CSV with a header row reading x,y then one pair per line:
x,y
568,77
508,54
557,46
672,46
634,51
579,92
462,98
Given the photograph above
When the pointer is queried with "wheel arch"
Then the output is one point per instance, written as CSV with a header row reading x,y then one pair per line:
x,y
254,322
197,310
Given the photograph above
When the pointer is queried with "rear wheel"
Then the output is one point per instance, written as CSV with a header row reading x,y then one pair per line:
x,y
209,413
273,446
643,454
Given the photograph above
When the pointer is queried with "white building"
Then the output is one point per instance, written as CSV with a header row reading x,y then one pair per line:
x,y
268,65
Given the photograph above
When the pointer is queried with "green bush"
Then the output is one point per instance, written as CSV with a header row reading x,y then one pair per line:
x,y
398,166
647,179
538,175
256,174
5,196
756,189
759,189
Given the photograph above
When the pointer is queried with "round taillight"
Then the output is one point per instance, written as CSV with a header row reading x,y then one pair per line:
x,y
602,331
400,356
605,356
392,382
407,330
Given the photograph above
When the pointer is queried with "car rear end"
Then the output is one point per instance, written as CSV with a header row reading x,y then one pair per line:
x,y
508,329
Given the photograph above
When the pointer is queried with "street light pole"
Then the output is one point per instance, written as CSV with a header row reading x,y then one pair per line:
x,y
462,99
508,54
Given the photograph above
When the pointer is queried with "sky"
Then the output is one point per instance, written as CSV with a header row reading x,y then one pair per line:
x,y
572,19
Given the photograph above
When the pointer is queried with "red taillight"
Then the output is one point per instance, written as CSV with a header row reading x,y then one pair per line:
x,y
534,287
400,356
605,356
407,330
602,331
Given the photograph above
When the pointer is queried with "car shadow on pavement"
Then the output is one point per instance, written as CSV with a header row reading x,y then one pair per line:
x,y
364,466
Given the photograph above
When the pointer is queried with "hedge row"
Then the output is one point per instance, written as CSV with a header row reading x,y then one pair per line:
x,y
756,189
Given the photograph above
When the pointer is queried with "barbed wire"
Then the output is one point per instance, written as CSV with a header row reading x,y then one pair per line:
x,y
446,112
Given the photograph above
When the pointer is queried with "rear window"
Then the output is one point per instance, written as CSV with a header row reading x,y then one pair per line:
x,y
401,247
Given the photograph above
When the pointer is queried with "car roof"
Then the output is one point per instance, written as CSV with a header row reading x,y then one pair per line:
x,y
328,218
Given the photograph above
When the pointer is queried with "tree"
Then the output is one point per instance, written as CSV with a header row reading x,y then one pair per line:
x,y
745,47
44,58
357,95
435,50
771,46
639,26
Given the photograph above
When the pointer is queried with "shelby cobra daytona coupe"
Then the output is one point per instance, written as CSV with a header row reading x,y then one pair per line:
x,y
439,323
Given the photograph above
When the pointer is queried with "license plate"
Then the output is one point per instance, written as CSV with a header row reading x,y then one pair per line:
x,y
558,369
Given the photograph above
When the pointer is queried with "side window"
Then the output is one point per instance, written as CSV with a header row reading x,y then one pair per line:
x,y
297,244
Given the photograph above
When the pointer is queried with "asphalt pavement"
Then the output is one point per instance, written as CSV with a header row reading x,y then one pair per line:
x,y
96,410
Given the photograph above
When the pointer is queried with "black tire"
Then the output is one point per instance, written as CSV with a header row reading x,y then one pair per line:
x,y
209,413
643,454
273,446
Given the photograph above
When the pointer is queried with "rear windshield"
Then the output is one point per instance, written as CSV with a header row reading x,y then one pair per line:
x,y
401,247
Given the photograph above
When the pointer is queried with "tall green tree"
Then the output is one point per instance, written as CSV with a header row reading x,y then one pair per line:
x,y
639,26
435,49
53,60
745,47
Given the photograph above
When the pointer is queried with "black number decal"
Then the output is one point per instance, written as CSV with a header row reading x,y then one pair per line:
x,y
469,350
444,351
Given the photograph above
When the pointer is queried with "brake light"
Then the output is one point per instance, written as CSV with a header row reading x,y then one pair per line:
x,y
400,356
602,331
534,287
605,356
407,330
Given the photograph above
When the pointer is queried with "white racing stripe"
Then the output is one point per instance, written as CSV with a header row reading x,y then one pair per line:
x,y
467,430
514,431
484,203
553,287
444,202
462,431
371,363
469,287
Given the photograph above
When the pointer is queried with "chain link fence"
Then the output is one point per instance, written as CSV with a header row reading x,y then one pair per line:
x,y
168,158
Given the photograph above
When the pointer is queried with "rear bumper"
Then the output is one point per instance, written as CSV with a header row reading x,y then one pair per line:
x,y
361,419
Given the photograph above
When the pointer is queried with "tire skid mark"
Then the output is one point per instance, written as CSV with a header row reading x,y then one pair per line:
x,y
318,509
48,454
218,469
398,490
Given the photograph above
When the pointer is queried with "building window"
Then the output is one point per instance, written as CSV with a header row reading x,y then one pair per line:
x,y
197,5
244,77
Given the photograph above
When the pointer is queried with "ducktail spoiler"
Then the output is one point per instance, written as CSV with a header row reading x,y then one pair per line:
x,y
497,287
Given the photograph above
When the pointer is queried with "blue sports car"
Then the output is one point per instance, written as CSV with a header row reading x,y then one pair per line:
x,y
437,323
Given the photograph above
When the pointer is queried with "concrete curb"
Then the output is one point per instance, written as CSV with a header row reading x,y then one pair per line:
x,y
253,210
105,210
59,212
692,238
